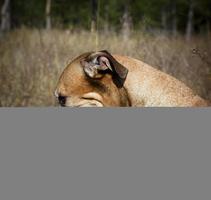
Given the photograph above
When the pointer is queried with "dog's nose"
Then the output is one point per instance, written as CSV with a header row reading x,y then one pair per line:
x,y
62,100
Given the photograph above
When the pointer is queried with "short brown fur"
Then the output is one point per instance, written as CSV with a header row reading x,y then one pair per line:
x,y
144,86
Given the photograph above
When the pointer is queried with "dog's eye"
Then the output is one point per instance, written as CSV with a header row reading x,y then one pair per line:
x,y
62,100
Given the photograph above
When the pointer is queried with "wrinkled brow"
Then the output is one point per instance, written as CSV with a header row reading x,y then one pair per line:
x,y
99,86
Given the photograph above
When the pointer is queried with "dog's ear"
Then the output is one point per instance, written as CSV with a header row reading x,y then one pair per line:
x,y
98,63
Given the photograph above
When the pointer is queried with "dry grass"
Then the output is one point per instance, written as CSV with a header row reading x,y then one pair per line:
x,y
32,60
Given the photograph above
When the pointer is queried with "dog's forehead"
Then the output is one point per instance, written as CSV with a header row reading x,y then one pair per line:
x,y
75,66
72,74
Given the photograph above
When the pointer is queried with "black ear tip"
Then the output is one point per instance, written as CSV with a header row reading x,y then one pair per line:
x,y
125,73
119,82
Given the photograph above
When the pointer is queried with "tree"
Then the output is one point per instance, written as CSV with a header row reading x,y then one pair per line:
x,y
94,4
189,28
48,14
106,21
5,16
126,21
204,10
174,18
164,18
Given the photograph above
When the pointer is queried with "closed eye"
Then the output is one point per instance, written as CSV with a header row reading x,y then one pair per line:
x,y
93,96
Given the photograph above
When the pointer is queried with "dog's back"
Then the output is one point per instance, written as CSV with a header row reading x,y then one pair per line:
x,y
148,86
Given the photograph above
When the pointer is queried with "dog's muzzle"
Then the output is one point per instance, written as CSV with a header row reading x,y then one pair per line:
x,y
61,99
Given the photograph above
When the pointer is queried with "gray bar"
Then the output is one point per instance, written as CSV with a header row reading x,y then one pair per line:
x,y
105,154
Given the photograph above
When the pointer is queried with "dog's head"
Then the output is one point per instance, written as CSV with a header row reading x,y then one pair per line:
x,y
93,79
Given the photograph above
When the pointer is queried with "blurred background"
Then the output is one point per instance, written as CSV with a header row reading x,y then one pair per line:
x,y
39,37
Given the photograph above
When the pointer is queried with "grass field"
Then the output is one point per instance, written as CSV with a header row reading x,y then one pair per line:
x,y
32,60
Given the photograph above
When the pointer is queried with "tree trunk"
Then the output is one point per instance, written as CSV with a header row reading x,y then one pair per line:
x,y
5,16
48,14
106,23
126,24
94,15
208,28
164,19
174,19
189,28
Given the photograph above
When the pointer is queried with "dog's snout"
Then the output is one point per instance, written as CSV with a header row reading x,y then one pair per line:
x,y
62,100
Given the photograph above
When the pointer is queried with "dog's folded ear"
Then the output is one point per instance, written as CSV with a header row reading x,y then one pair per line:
x,y
99,62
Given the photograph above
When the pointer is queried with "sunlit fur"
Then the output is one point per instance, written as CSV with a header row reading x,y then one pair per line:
x,y
144,86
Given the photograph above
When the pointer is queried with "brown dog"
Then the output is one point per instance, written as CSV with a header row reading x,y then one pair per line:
x,y
99,79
